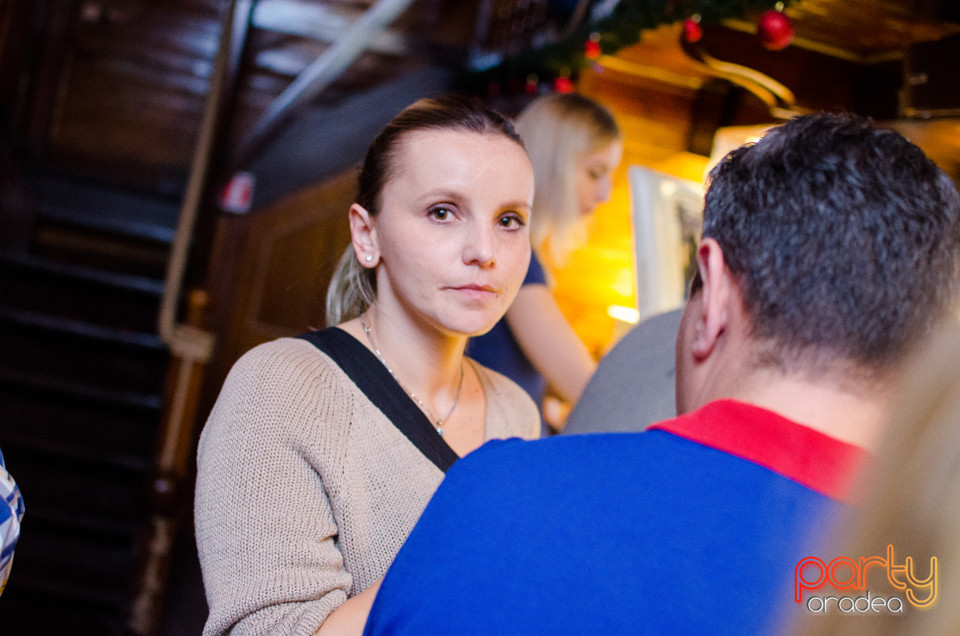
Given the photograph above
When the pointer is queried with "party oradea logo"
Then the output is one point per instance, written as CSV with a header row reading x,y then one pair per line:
x,y
867,585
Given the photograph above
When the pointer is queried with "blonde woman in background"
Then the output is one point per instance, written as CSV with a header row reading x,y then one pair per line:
x,y
912,502
575,145
321,451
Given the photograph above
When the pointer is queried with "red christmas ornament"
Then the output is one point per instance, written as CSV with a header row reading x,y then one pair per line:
x,y
592,50
563,85
774,30
692,32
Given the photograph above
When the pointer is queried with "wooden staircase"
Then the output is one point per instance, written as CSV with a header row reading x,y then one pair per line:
x,y
102,103
81,374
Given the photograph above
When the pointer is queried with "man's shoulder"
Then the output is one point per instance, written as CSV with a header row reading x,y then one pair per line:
x,y
515,463
553,448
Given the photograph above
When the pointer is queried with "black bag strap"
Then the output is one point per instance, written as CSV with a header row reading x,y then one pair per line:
x,y
382,389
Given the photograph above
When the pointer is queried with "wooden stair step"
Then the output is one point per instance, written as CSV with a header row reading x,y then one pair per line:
x,y
52,561
102,207
105,530
88,247
85,294
59,448
75,350
84,549
91,492
80,390
83,222
77,425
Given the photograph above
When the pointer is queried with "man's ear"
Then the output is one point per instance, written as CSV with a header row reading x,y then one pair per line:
x,y
363,235
716,295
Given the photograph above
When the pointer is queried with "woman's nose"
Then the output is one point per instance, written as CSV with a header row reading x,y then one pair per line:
x,y
480,248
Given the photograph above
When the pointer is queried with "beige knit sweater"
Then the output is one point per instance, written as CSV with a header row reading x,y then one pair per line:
x,y
305,491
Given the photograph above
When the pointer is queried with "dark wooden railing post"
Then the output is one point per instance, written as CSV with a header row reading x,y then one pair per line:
x,y
170,480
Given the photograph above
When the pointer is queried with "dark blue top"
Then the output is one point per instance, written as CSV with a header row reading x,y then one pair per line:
x,y
620,533
499,350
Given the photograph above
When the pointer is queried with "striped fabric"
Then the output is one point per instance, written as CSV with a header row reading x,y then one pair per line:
x,y
11,512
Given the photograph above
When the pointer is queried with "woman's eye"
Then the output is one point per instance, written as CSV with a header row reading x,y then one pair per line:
x,y
440,213
511,221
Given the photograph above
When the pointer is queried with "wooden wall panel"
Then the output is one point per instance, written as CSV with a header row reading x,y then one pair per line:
x,y
280,261
133,86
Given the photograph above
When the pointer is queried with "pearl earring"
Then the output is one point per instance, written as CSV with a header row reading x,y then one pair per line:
x,y
368,258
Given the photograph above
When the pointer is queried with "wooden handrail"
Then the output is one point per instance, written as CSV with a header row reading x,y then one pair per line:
x,y
190,344
780,101
169,481
186,341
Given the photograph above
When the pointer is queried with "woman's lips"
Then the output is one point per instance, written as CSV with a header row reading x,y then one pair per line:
x,y
476,291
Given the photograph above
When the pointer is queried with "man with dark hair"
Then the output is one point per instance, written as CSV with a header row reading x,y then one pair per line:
x,y
829,248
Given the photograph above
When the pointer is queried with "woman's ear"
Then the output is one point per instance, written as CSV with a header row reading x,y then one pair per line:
x,y
363,236
717,293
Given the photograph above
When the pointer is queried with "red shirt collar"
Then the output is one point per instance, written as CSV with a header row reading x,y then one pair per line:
x,y
798,452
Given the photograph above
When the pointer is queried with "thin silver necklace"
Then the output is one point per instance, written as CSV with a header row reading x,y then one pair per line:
x,y
437,423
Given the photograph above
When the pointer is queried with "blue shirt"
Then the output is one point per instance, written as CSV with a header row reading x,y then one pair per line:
x,y
693,527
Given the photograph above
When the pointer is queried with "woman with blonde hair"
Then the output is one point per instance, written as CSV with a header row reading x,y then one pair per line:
x,y
322,451
574,145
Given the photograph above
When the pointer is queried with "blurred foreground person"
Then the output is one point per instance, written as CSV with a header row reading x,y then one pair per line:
x,y
911,508
828,249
